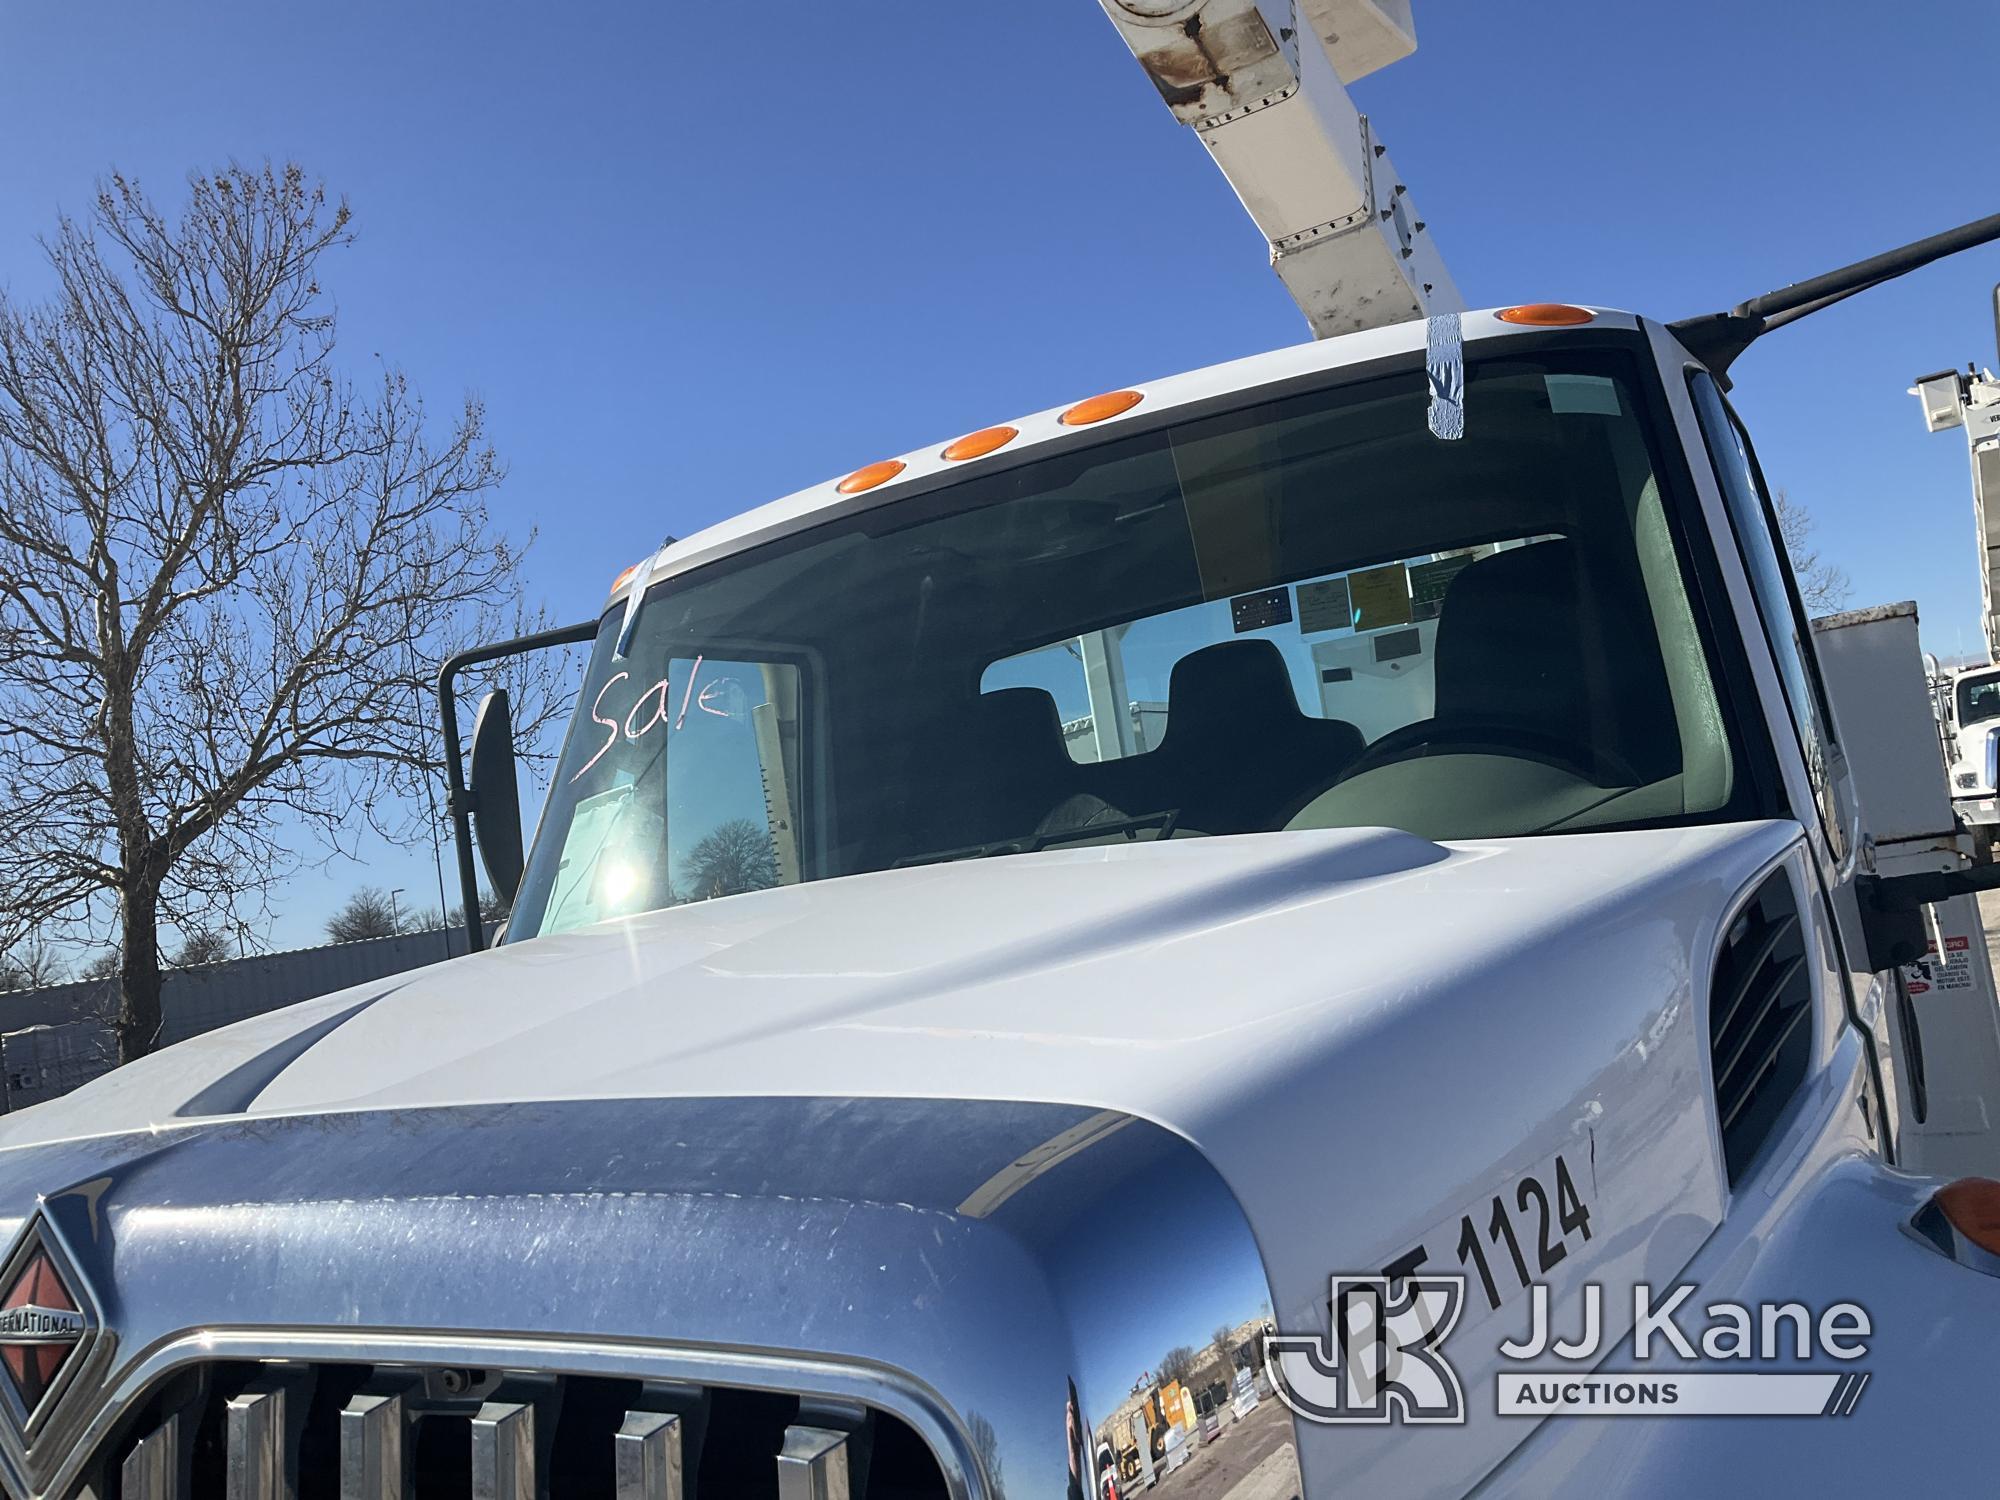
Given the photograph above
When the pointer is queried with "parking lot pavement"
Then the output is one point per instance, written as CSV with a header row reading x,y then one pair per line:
x,y
1252,1460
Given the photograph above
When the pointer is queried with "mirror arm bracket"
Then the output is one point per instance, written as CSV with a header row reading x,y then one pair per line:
x,y
457,804
1892,908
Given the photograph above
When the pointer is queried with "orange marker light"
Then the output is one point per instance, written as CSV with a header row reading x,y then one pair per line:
x,y
1545,314
1972,1204
979,444
625,577
867,478
1097,408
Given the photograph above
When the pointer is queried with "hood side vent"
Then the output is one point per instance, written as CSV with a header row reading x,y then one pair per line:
x,y
1759,1020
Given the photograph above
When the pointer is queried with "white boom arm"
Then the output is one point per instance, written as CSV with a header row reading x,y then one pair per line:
x,y
1260,81
1972,402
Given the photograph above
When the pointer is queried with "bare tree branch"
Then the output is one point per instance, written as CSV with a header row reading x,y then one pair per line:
x,y
369,913
31,965
227,575
1823,585
733,856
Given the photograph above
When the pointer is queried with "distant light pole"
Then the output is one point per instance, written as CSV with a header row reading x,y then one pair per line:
x,y
395,921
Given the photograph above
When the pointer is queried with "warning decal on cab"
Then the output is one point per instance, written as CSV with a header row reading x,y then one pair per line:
x,y
1950,971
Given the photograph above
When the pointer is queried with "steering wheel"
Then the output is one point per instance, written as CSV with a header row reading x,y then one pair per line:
x,y
1590,763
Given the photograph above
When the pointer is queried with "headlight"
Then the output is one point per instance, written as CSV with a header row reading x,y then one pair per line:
x,y
1967,780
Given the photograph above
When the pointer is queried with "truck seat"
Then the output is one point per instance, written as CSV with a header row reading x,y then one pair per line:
x,y
1535,656
1239,756
1004,772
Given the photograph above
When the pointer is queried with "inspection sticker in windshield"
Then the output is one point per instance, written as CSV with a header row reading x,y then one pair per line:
x,y
1324,606
1261,610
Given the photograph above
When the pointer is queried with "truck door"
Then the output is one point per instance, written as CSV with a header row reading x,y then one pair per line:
x,y
1815,776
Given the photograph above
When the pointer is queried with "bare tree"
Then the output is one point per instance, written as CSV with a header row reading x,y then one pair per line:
x,y
368,913
491,909
1823,586
226,573
202,946
31,964
986,1443
731,857
1177,1364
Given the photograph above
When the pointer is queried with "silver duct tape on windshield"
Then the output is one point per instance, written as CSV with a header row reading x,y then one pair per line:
x,y
1444,362
640,576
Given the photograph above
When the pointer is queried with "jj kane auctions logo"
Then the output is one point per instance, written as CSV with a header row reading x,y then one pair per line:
x,y
1384,1360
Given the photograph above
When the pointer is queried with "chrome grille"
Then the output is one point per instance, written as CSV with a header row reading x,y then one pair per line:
x,y
271,1431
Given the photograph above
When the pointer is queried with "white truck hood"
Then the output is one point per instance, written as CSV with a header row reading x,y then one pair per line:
x,y
1162,980
1370,1037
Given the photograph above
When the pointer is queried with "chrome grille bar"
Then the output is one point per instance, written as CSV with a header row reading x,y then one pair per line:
x,y
371,1447
255,1439
156,1468
812,1464
503,1452
648,1457
279,1427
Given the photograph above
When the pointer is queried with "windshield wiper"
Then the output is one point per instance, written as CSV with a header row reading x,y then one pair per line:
x,y
1034,842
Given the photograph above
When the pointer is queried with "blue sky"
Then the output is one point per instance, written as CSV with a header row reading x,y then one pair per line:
x,y
695,257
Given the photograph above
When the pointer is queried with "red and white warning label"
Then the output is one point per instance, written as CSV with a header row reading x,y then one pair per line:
x,y
1949,970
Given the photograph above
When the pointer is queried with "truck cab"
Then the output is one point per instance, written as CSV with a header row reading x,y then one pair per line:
x,y
1969,700
1015,923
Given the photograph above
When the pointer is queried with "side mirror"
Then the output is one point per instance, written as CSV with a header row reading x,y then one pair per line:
x,y
494,798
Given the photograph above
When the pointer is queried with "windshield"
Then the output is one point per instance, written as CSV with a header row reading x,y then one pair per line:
x,y
1310,613
1978,699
